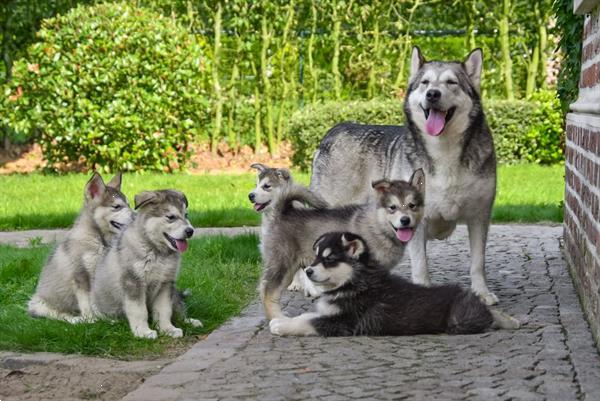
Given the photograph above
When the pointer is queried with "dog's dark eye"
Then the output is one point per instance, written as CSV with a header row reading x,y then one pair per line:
x,y
451,82
425,82
266,187
329,259
171,217
187,216
412,206
392,208
117,207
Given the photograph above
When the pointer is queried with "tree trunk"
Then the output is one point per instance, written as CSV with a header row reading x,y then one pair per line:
x,y
543,72
335,68
214,140
503,26
266,39
314,75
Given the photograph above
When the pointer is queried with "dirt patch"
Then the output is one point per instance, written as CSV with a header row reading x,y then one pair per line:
x,y
28,159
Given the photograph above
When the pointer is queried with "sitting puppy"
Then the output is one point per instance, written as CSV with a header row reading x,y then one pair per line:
x,y
288,232
138,273
63,291
363,298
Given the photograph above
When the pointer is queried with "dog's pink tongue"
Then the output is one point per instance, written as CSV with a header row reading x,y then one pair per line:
x,y
404,234
257,206
435,122
182,245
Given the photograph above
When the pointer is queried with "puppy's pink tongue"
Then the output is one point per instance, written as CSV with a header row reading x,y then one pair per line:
x,y
404,234
257,206
435,122
182,245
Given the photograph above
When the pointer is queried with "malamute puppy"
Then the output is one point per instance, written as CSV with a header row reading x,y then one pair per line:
x,y
361,297
388,220
138,273
446,135
63,291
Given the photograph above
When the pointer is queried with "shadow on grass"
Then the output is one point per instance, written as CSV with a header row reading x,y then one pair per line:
x,y
528,213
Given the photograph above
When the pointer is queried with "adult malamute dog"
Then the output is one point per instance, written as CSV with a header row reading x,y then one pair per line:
x,y
363,298
447,136
288,232
63,291
138,273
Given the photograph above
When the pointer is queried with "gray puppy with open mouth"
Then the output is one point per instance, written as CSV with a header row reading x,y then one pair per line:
x,y
138,273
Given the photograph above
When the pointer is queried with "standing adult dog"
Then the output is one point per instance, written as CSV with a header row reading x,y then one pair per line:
x,y
63,291
446,135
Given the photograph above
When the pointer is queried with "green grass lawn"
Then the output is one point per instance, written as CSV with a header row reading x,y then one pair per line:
x,y
526,193
220,272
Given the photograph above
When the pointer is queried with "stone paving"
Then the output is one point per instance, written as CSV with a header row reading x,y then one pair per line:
x,y
552,357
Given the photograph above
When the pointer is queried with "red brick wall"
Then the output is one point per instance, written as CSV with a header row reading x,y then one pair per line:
x,y
582,176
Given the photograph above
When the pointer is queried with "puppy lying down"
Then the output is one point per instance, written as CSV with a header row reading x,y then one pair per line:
x,y
362,298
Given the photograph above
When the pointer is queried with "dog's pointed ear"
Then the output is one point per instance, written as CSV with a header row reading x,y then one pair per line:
x,y
259,166
417,180
284,174
473,65
381,186
95,187
182,196
354,245
115,182
145,198
416,62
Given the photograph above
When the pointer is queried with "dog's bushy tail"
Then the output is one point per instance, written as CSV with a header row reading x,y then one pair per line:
x,y
298,194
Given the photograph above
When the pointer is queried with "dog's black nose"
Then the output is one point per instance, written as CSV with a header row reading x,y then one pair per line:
x,y
309,272
433,95
189,232
251,196
404,221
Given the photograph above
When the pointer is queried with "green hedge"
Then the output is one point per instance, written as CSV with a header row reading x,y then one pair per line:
x,y
111,86
523,130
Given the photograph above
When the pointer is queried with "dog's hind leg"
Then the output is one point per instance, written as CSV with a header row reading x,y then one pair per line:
x,y
37,307
468,314
273,281
162,311
478,230
503,320
82,289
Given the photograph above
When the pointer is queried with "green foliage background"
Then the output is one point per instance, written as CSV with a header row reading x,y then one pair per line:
x,y
271,58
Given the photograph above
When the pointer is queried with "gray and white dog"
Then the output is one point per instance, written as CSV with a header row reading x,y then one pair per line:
x,y
388,219
63,290
139,271
446,135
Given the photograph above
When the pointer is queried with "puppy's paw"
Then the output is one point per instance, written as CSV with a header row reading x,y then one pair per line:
x,y
312,291
488,298
295,286
174,332
148,333
194,322
76,319
279,326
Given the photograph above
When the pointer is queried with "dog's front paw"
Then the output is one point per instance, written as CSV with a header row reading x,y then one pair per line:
x,y
147,333
488,298
174,332
279,326
194,322
295,286
76,319
311,291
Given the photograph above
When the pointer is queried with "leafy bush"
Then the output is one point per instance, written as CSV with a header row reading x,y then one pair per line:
x,y
113,86
523,130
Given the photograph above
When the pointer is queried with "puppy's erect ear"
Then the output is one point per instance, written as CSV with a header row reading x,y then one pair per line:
x,y
181,196
284,174
115,182
417,180
258,166
473,65
353,245
381,186
145,198
316,244
95,187
416,62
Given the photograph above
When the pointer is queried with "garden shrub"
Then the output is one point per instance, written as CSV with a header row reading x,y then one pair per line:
x,y
113,87
524,131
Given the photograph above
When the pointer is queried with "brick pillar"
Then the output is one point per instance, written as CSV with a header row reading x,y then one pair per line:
x,y
582,172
